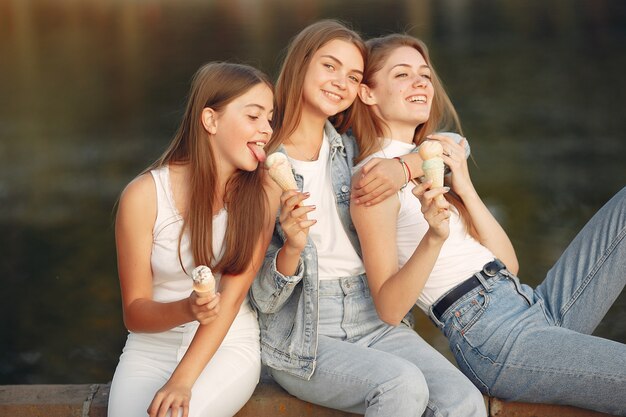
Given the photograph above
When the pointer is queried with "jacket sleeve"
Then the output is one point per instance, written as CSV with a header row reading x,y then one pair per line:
x,y
271,289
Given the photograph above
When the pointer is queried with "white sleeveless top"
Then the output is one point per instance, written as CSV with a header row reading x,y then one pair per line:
x,y
461,255
169,281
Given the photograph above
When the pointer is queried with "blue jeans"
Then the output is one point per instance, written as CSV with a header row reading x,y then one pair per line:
x,y
529,345
368,367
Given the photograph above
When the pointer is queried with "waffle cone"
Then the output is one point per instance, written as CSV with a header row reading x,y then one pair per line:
x,y
279,169
434,170
204,290
203,280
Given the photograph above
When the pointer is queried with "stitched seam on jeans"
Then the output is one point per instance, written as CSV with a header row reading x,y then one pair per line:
x,y
561,371
590,276
434,409
477,315
462,356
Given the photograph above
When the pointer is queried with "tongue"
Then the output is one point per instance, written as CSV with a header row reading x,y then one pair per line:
x,y
258,151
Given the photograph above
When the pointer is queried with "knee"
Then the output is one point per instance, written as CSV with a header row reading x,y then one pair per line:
x,y
408,386
467,400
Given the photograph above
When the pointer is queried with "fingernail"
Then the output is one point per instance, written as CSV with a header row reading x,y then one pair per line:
x,y
446,189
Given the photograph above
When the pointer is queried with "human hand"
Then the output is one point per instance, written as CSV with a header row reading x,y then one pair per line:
x,y
454,156
205,307
293,219
171,397
436,211
377,180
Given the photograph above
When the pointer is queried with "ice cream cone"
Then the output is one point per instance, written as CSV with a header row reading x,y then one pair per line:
x,y
279,170
433,166
203,281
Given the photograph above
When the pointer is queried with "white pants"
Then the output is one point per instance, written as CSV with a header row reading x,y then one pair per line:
x,y
223,387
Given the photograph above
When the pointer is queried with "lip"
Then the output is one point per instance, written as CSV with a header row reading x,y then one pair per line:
x,y
332,96
417,99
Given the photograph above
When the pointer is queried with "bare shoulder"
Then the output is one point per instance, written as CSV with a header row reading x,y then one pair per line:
x,y
138,199
389,207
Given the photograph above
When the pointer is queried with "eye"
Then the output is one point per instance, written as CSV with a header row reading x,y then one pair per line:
x,y
253,117
329,66
401,75
427,76
354,79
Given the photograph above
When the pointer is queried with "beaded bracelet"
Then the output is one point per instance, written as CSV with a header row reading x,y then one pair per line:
x,y
405,169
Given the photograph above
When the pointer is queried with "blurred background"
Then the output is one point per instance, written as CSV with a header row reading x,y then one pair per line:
x,y
91,91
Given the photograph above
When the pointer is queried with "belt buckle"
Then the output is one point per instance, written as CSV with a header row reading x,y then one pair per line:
x,y
492,268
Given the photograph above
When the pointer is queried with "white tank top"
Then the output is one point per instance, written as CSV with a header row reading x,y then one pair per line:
x,y
461,255
170,281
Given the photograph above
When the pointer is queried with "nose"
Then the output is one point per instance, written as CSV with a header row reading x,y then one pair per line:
x,y
420,81
340,81
266,128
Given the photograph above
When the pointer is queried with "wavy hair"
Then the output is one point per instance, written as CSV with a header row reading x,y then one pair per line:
x,y
368,127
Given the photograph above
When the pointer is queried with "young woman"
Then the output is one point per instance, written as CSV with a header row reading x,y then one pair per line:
x,y
320,334
201,203
513,342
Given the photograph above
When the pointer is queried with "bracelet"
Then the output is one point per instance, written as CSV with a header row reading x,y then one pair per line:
x,y
405,169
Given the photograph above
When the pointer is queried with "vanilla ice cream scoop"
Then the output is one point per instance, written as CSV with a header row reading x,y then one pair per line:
x,y
279,169
203,280
430,149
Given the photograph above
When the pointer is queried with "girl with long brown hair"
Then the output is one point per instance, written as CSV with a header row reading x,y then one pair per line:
x,y
201,203
512,341
320,335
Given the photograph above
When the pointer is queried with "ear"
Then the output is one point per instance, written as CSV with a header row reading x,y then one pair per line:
x,y
209,120
366,95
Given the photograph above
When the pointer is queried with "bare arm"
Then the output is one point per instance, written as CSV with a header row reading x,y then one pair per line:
x,y
133,234
176,393
395,291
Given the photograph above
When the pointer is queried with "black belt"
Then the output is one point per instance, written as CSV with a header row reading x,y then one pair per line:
x,y
489,270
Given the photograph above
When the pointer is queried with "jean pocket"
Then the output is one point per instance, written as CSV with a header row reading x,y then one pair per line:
x,y
469,311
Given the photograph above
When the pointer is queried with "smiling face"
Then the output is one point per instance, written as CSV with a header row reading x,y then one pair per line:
x,y
240,131
332,78
401,92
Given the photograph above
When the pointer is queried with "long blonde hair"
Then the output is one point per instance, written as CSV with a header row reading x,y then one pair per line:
x,y
215,85
288,95
368,127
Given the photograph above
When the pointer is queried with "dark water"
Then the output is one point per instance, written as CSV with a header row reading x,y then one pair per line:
x,y
91,92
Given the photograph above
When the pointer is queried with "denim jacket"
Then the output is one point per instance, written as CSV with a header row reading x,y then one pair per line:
x,y
288,305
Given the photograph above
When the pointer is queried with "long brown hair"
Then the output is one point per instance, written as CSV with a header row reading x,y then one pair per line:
x,y
368,127
288,95
215,85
